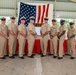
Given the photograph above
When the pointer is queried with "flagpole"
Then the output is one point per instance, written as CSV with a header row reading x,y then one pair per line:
x,y
15,8
55,9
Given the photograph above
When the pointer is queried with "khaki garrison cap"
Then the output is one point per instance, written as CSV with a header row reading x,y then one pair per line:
x,y
12,17
46,18
71,23
3,19
23,18
32,18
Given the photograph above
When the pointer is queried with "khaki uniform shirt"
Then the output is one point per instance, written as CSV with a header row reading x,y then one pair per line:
x,y
45,27
71,31
62,28
22,28
54,29
32,28
12,27
4,29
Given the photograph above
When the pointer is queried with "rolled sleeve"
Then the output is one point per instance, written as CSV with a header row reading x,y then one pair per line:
x,y
64,28
57,29
9,27
19,28
75,32
48,28
0,28
29,27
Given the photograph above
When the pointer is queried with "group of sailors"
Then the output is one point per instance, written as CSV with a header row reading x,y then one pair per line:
x,y
14,31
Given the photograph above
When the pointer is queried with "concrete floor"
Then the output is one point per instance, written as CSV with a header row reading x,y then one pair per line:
x,y
38,66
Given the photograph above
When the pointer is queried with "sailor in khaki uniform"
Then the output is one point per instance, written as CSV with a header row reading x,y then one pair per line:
x,y
22,36
3,37
31,37
61,37
53,38
12,27
45,29
71,38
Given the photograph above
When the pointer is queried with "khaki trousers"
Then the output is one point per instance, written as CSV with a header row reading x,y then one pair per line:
x,y
68,51
2,46
5,51
44,43
12,45
21,41
72,47
61,48
31,41
54,45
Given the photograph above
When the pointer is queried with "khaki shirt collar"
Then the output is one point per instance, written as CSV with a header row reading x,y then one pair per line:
x,y
54,25
3,24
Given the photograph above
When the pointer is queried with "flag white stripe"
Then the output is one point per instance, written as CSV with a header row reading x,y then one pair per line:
x,y
36,13
41,13
18,9
45,12
50,13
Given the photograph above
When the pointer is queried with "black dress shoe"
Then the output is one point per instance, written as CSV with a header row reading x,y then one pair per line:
x,y
24,54
21,57
31,56
15,54
3,57
63,55
43,55
60,57
50,54
72,57
67,54
12,57
54,56
6,55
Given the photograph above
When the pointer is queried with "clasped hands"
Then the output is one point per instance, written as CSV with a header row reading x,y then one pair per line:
x,y
51,36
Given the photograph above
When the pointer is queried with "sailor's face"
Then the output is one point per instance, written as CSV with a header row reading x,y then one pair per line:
x,y
23,21
32,21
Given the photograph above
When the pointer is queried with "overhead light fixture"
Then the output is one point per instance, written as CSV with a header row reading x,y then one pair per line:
x,y
73,0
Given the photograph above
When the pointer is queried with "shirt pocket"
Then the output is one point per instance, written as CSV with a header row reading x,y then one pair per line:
x,y
73,31
24,29
12,27
33,29
54,30
3,28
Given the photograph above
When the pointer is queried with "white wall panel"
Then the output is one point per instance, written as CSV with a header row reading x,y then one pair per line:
x,y
7,3
11,3
61,14
64,9
66,6
7,12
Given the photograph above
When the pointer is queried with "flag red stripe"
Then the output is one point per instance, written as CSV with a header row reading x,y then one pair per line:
x,y
42,18
47,10
39,13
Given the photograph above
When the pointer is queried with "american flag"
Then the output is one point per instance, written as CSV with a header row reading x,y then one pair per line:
x,y
28,10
